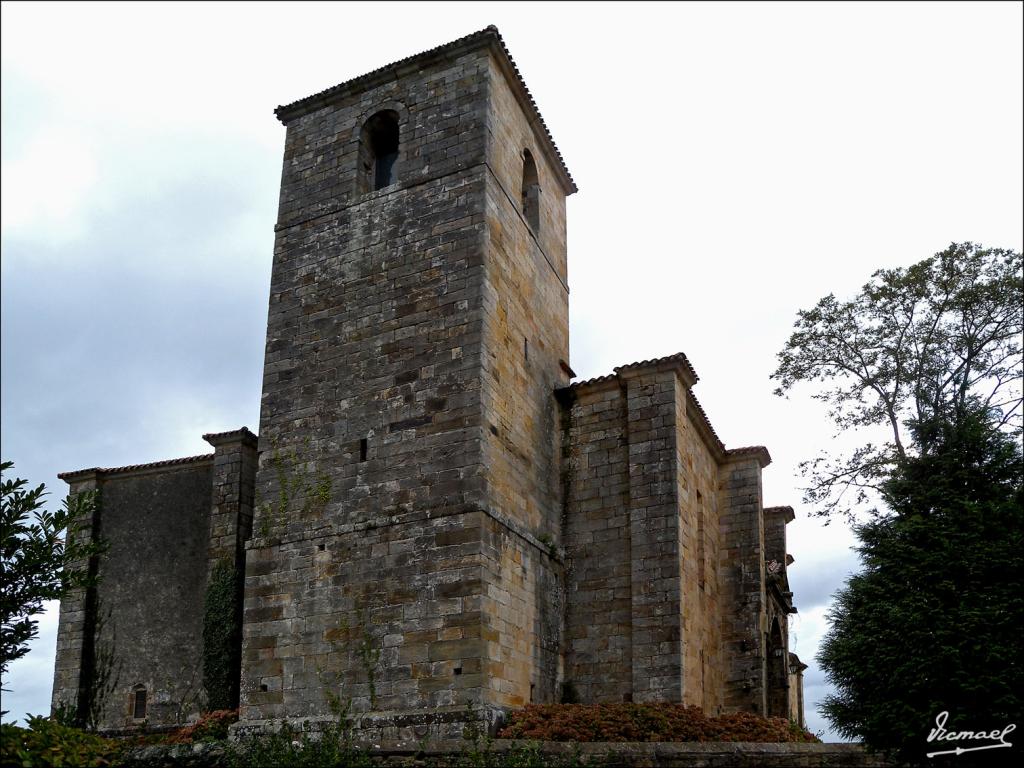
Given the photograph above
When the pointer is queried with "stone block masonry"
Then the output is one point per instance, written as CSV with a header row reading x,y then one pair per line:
x,y
665,574
130,649
413,351
434,516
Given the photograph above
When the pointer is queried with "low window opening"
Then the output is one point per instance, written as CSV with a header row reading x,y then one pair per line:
x,y
322,547
532,689
139,703
458,670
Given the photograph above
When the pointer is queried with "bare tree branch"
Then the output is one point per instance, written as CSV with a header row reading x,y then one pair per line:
x,y
938,339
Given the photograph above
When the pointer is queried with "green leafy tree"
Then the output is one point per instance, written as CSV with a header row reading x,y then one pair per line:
x,y
940,340
933,623
43,556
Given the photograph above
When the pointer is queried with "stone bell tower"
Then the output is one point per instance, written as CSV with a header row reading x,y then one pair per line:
x,y
404,548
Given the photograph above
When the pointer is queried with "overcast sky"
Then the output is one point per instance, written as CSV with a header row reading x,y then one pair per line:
x,y
735,162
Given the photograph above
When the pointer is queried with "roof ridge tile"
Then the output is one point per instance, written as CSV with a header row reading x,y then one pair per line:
x,y
136,467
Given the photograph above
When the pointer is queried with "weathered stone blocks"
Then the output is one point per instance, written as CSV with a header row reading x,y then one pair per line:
x,y
433,517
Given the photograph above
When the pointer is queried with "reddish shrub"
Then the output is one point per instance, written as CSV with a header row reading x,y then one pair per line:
x,y
645,722
209,727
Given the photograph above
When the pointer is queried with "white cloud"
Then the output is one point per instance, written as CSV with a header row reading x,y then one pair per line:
x,y
45,190
30,678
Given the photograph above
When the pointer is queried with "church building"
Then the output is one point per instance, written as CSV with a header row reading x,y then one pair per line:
x,y
434,514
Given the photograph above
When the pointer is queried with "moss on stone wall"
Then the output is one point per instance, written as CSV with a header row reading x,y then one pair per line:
x,y
222,641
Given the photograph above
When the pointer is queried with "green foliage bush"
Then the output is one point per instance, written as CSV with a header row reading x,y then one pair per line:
x,y
290,747
933,622
645,722
222,640
42,556
48,744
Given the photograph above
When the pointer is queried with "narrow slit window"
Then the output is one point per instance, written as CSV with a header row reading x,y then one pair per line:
x,y
531,192
378,151
139,704
363,448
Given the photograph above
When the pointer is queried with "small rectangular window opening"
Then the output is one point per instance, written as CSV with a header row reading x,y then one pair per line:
x,y
526,349
532,688
139,706
458,670
363,445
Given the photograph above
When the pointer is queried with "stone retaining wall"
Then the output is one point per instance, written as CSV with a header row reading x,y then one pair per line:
x,y
632,755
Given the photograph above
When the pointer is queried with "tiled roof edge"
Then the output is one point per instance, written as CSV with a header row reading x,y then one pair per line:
x,y
785,510
488,35
751,450
135,467
588,382
241,434
704,424
700,415
677,357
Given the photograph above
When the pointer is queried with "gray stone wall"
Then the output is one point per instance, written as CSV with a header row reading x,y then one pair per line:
x,y
744,617
146,612
525,343
699,506
151,590
370,469
460,753
384,615
442,117
655,535
234,476
433,517
523,603
664,534
75,628
414,345
164,525
599,655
